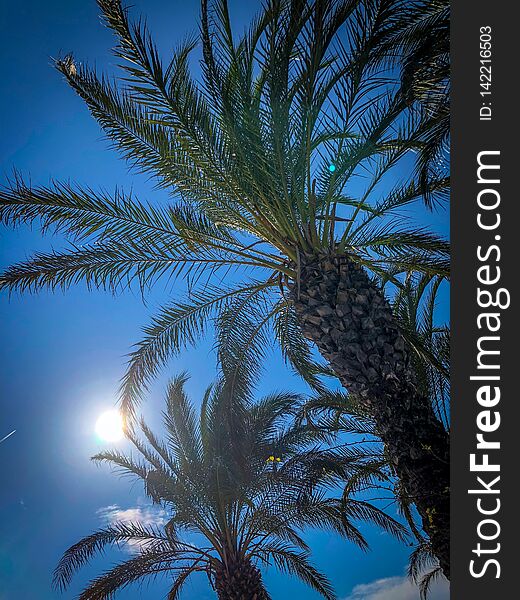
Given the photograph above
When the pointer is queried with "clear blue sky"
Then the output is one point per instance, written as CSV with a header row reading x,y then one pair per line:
x,y
63,354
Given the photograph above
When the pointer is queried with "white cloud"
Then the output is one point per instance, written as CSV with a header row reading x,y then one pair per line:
x,y
146,515
398,588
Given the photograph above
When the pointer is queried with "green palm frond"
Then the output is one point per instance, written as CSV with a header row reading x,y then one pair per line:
x,y
423,568
365,511
112,267
180,581
180,421
82,552
176,326
82,212
296,563
150,564
420,559
415,308
242,332
296,350
420,42
132,128
122,464
427,580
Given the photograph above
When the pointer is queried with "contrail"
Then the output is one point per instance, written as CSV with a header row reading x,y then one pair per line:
x,y
8,436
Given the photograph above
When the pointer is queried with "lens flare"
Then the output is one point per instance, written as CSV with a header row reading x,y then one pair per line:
x,y
109,426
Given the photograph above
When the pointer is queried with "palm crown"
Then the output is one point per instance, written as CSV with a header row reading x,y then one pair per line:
x,y
265,155
240,481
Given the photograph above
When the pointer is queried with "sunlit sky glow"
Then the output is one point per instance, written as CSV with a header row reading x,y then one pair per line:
x,y
109,426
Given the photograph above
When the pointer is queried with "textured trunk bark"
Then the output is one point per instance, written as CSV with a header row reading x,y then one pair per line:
x,y
347,316
239,580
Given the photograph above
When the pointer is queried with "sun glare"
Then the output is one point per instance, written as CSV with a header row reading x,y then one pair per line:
x,y
109,426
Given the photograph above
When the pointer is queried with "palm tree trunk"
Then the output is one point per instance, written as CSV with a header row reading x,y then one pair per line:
x,y
347,316
239,580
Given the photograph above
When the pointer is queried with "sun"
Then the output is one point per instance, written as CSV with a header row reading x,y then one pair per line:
x,y
109,426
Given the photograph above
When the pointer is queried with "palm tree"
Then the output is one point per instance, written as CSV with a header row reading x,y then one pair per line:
x,y
282,165
414,307
239,481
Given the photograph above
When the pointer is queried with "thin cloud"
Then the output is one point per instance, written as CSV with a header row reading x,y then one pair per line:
x,y
397,588
146,515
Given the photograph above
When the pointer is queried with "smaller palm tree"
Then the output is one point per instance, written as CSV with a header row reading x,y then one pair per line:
x,y
240,481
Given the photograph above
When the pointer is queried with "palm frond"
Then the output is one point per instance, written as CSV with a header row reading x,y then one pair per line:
x,y
124,574
296,563
83,551
180,421
176,326
427,580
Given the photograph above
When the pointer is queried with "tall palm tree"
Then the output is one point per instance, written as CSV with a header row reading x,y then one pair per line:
x,y
282,165
414,306
240,481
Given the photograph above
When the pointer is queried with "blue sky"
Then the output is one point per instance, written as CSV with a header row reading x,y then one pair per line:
x,y
62,354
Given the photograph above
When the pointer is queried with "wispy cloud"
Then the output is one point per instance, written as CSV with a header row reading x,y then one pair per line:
x,y
147,515
397,588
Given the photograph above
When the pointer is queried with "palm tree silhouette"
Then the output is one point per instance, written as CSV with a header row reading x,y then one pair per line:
x,y
240,481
